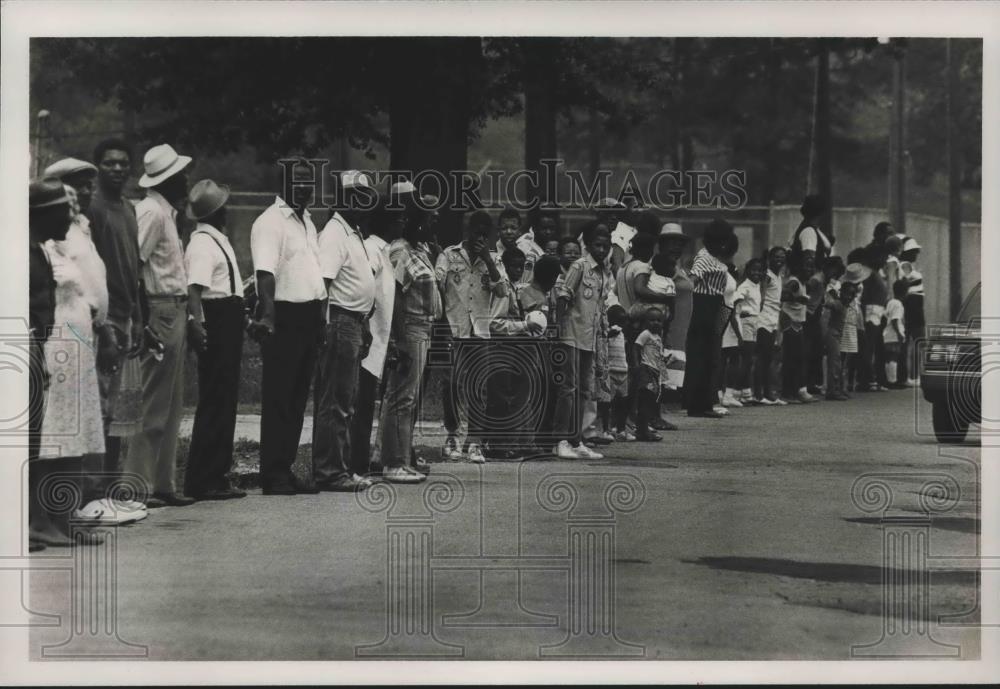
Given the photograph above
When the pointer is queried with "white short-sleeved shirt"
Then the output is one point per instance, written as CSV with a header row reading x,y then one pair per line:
x,y
344,261
810,238
160,248
770,305
893,312
285,246
385,296
207,259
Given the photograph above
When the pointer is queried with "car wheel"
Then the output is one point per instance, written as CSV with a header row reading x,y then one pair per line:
x,y
949,427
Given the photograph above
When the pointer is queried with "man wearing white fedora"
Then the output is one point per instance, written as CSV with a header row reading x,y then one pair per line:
x,y
152,453
215,332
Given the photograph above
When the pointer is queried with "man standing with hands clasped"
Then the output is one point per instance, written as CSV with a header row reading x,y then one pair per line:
x,y
289,324
215,333
350,288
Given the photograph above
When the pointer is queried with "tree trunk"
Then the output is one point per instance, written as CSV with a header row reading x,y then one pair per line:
x,y
595,135
540,112
430,116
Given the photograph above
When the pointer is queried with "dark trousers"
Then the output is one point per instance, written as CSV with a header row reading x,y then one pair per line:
x,y
913,319
834,364
704,352
793,365
815,349
334,396
765,353
210,456
289,361
550,352
872,368
369,390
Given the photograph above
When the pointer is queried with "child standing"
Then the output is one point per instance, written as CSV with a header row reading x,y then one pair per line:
x,y
836,308
582,293
648,352
894,333
539,297
748,298
617,375
853,325
768,349
732,341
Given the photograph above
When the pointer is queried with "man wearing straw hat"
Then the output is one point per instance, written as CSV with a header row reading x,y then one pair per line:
x,y
215,332
152,452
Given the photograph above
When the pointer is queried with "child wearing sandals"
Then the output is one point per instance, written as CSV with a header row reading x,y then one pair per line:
x,y
648,352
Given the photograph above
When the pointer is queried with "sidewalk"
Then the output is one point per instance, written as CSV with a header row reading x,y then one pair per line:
x,y
248,428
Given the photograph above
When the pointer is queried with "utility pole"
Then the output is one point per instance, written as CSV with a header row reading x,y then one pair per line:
x,y
824,176
897,135
954,180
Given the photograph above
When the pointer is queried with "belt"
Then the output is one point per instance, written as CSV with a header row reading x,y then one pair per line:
x,y
357,315
176,298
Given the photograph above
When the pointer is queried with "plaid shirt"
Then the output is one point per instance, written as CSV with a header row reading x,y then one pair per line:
x,y
414,273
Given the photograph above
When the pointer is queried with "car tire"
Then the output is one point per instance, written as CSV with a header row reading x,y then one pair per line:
x,y
949,427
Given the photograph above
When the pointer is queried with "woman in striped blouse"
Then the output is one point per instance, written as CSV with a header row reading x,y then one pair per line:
x,y
704,338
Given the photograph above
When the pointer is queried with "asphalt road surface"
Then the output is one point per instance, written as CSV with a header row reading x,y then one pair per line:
x,y
777,533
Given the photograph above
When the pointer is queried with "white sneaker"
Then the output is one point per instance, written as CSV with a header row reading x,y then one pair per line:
x,y
729,400
400,475
766,401
105,512
451,451
778,402
131,505
913,383
476,455
565,451
719,409
584,452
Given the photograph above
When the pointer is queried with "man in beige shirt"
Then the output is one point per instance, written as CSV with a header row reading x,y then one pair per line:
x,y
152,453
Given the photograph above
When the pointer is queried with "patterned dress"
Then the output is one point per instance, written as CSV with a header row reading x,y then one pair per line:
x,y
73,426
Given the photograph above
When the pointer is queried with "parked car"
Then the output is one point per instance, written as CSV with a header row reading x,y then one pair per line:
x,y
951,371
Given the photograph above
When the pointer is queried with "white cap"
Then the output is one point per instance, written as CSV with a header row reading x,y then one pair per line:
x,y
672,228
404,187
910,244
67,166
350,179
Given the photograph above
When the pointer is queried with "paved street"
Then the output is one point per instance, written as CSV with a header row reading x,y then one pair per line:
x,y
733,539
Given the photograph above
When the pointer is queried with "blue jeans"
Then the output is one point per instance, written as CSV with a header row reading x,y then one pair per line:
x,y
399,404
334,395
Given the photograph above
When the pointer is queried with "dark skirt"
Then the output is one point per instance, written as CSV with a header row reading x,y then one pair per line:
x,y
703,349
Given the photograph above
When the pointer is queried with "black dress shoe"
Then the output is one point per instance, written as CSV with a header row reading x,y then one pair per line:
x,y
174,500
154,502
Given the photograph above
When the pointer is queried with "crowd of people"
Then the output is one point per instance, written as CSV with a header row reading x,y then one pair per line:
x,y
556,343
